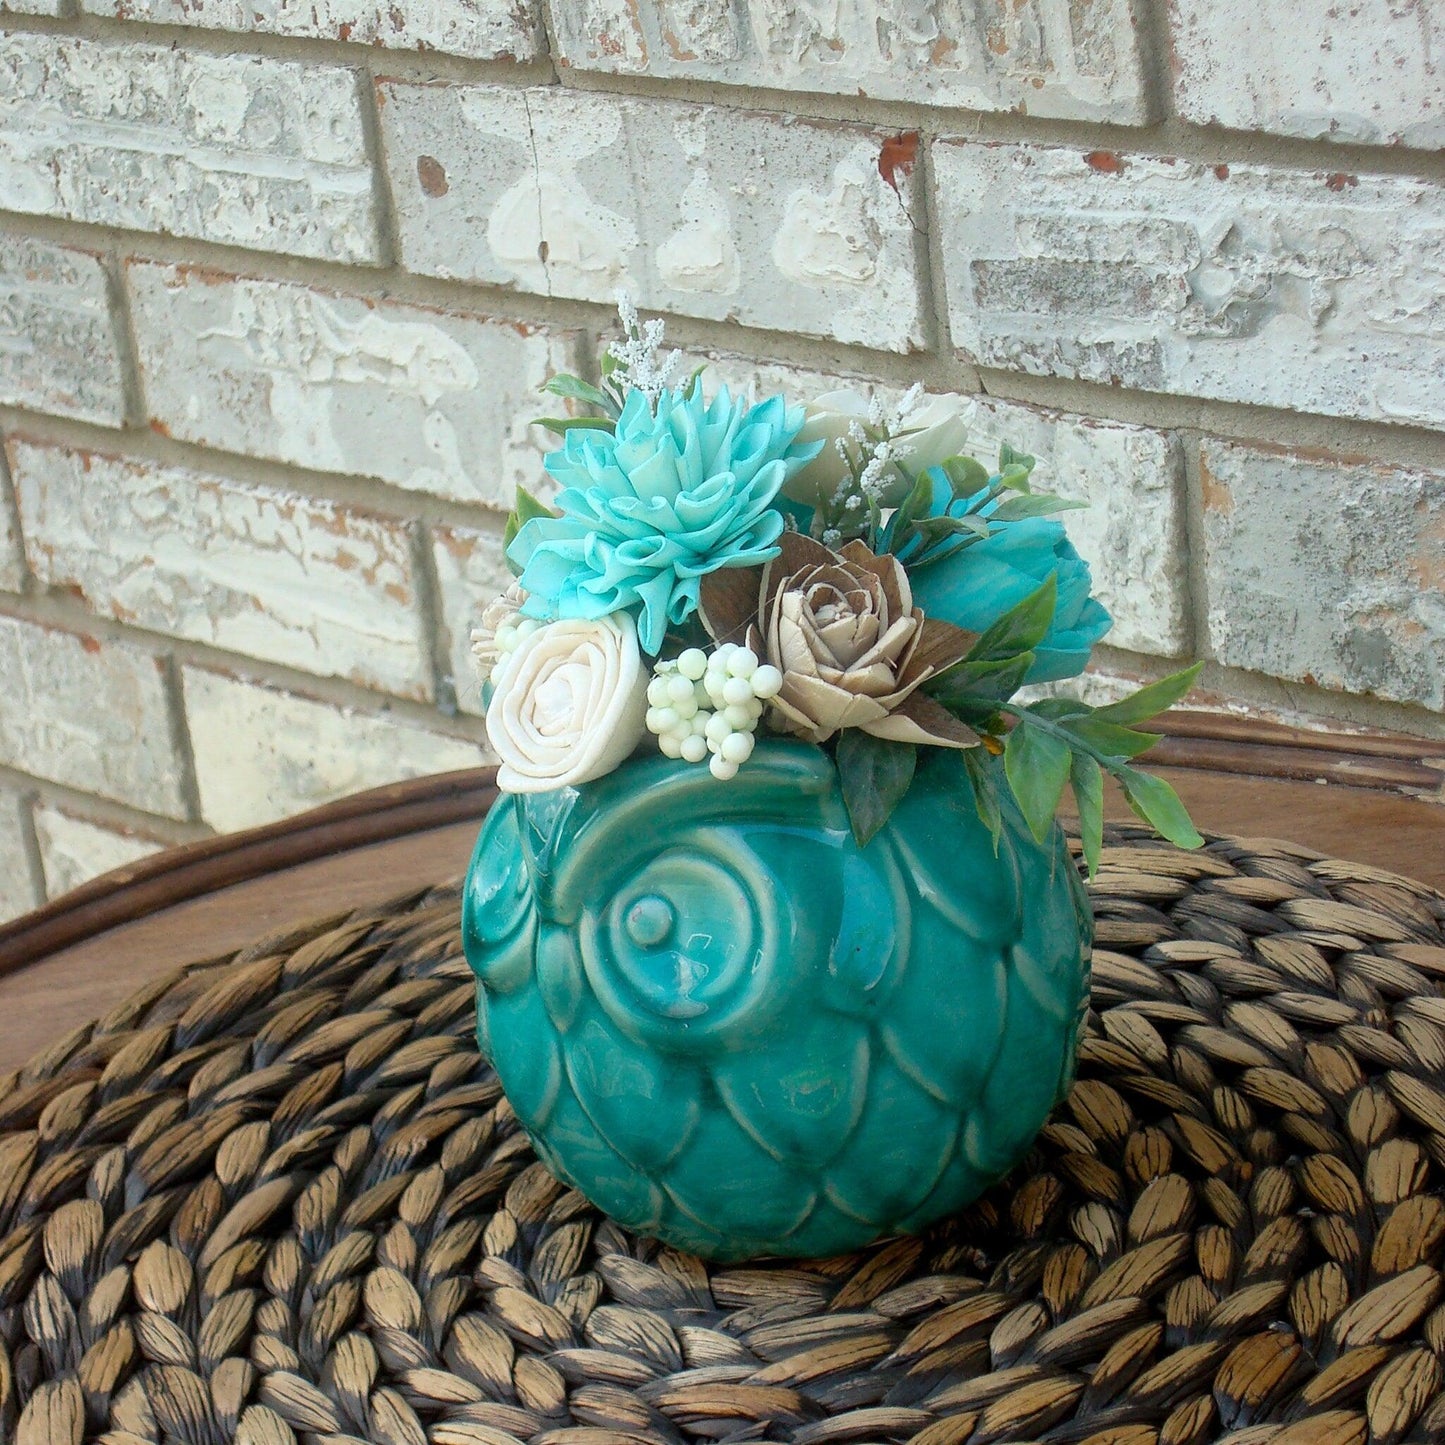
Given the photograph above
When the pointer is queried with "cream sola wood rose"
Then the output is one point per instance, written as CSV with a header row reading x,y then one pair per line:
x,y
923,432
568,703
851,647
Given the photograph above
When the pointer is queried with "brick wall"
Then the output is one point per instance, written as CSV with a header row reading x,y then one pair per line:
x,y
278,284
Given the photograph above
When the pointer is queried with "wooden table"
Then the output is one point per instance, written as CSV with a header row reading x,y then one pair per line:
x,y
80,955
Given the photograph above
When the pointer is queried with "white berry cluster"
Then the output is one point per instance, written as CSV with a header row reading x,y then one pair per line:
x,y
509,638
703,703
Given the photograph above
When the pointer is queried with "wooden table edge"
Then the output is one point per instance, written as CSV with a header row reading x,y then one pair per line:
x,y
192,870
1209,741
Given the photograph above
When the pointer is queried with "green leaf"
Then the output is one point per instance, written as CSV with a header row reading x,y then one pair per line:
x,y
975,685
695,380
935,529
1158,804
608,364
1008,457
1109,738
1037,765
565,384
1033,504
965,475
1058,708
1012,479
1022,627
1150,701
1088,782
985,794
563,424
915,502
875,775
528,507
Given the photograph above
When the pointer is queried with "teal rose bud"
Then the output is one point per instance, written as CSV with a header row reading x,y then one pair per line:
x,y
973,586
649,510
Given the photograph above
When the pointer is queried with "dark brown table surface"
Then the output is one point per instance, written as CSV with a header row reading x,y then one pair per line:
x,y
1348,797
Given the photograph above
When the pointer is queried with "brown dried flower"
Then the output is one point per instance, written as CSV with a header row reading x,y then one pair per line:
x,y
842,629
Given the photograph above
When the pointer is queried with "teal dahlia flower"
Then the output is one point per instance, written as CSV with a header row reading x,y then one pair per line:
x,y
648,511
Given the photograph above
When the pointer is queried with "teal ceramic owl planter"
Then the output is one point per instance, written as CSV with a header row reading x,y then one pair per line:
x,y
732,1028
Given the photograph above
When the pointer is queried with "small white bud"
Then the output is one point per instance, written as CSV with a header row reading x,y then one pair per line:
x,y
686,708
670,746
717,728
743,663
657,692
694,748
737,690
767,681
738,718
678,688
736,747
721,769
692,663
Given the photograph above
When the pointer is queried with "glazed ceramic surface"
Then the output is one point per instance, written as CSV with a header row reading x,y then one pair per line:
x,y
731,1028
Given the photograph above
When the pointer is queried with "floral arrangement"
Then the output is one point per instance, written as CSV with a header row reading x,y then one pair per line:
x,y
838,572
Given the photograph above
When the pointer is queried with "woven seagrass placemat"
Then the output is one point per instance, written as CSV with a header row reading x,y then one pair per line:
x,y
280,1198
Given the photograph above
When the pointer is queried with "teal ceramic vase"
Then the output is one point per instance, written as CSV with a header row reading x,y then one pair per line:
x,y
732,1028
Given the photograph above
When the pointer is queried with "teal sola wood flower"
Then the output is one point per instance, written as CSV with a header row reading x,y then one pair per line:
x,y
973,584
646,512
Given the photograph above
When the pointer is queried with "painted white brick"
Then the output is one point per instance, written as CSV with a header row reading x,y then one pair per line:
x,y
91,714
1247,283
481,29
434,401
1370,72
1326,569
246,150
35,7
263,754
266,573
760,219
1076,58
470,571
1131,477
57,337
73,850
17,885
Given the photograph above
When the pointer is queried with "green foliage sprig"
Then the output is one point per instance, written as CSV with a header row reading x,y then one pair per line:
x,y
1046,746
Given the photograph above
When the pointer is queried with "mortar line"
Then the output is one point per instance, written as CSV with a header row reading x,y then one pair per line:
x,y
127,343
1169,136
68,614
30,845
1195,545
1346,439
10,514
432,619
103,812
1156,49
930,263
181,740
373,142
1409,444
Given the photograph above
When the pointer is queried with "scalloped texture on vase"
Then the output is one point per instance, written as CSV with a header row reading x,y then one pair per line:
x,y
733,1029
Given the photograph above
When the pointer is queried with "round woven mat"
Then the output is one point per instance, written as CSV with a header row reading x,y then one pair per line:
x,y
279,1197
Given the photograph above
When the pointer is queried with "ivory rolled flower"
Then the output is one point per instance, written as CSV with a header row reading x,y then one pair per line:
x,y
852,648
570,704
932,431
